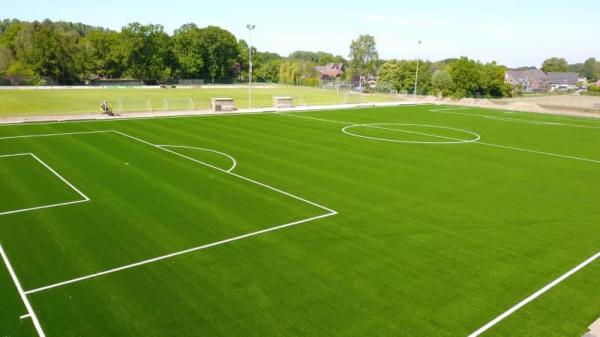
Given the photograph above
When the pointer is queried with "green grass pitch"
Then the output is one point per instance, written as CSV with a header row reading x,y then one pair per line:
x,y
401,221
31,102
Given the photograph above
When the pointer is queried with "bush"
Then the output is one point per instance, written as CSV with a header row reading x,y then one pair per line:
x,y
20,74
311,82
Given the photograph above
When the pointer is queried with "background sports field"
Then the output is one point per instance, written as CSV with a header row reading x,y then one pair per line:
x,y
30,102
408,237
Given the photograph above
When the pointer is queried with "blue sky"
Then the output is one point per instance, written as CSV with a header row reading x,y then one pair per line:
x,y
511,32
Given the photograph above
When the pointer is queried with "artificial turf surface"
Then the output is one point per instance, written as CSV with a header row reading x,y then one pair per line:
x,y
429,239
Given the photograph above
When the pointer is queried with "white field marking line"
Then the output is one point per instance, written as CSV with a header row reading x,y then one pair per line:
x,y
541,152
180,155
24,316
225,171
54,134
520,120
194,249
512,119
22,210
30,312
593,120
330,212
85,198
533,296
14,155
446,109
233,161
313,118
475,142
376,126
372,125
553,283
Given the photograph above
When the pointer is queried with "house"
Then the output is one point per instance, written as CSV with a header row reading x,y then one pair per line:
x,y
331,71
535,80
563,81
530,80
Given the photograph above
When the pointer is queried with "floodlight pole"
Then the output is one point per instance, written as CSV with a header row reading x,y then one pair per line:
x,y
250,28
417,72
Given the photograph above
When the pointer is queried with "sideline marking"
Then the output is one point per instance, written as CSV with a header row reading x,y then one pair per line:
x,y
85,197
521,120
54,134
516,120
313,118
233,161
329,212
30,312
533,296
377,126
596,161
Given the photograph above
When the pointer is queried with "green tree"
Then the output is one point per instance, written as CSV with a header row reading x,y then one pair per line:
x,y
6,58
467,77
10,30
390,75
318,57
555,64
589,69
105,53
220,51
51,51
492,81
297,72
149,56
187,50
268,71
474,79
400,75
441,82
266,66
19,74
363,56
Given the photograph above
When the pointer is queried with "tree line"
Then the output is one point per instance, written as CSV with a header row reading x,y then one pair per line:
x,y
64,53
458,78
72,53
589,69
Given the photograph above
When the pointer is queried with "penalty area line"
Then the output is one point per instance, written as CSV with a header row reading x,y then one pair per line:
x,y
30,312
329,211
233,161
533,296
187,251
61,178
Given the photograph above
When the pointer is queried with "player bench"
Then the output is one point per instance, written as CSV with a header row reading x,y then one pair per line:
x,y
222,104
283,102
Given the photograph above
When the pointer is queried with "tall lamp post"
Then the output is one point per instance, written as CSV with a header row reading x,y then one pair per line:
x,y
250,28
417,72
